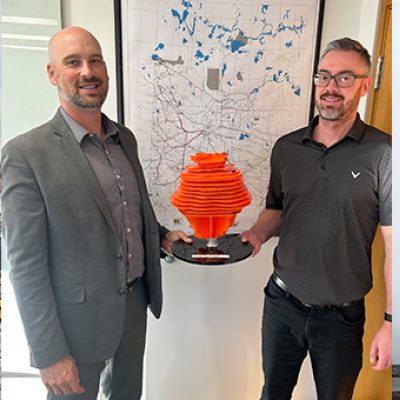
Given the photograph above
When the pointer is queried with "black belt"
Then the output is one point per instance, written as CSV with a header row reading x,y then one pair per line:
x,y
282,285
130,285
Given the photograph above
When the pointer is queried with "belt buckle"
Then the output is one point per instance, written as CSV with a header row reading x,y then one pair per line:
x,y
328,307
279,282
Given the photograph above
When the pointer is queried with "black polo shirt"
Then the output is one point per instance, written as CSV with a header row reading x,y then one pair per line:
x,y
332,200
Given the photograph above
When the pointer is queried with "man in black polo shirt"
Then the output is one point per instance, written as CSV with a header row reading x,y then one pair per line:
x,y
330,186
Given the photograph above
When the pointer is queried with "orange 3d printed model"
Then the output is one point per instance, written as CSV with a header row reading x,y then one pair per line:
x,y
211,194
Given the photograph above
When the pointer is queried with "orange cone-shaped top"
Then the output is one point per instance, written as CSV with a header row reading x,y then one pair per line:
x,y
211,194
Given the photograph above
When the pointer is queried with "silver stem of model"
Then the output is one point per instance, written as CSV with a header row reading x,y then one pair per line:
x,y
212,243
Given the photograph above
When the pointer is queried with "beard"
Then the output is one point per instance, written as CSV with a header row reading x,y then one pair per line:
x,y
346,109
88,102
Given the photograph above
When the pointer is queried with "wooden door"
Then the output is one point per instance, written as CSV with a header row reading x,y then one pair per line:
x,y
377,385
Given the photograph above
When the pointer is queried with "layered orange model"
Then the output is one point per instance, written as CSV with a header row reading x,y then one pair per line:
x,y
211,194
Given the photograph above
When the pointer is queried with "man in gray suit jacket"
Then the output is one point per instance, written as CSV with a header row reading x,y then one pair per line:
x,y
83,241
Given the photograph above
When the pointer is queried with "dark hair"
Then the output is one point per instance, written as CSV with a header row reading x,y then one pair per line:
x,y
347,44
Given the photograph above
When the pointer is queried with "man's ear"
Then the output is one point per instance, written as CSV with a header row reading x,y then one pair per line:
x,y
51,73
366,85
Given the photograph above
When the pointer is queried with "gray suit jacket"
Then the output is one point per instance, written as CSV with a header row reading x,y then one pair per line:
x,y
66,260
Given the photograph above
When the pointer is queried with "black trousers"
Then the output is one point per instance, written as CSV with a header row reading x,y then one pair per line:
x,y
332,337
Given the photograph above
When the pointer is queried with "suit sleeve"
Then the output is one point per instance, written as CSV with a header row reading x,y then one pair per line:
x,y
25,231
163,232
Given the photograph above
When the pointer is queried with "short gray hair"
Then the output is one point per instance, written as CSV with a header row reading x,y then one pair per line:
x,y
347,44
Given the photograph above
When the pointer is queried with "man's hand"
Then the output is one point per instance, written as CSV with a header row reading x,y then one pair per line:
x,y
62,377
252,237
267,225
381,348
171,237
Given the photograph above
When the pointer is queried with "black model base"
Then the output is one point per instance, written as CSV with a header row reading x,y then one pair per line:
x,y
229,249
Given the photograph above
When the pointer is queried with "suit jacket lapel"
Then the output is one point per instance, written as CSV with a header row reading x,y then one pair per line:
x,y
70,146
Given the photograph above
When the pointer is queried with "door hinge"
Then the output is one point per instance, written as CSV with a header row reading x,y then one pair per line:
x,y
378,72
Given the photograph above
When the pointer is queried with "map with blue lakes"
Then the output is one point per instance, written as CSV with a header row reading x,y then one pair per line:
x,y
215,76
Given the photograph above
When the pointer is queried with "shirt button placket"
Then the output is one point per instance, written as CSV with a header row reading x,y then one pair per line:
x,y
324,164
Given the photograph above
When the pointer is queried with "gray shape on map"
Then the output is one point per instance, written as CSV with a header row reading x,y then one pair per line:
x,y
213,78
241,38
179,61
239,77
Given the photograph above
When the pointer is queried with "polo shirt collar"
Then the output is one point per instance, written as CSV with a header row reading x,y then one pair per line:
x,y
80,132
356,132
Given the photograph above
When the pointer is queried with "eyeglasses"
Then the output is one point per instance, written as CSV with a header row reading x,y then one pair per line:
x,y
342,80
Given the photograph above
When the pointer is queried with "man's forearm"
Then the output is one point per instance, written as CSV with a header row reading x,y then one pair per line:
x,y
388,282
387,237
267,225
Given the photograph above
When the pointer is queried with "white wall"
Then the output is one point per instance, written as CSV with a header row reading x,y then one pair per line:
x,y
207,343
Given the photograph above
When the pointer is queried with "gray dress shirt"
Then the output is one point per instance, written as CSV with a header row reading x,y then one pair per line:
x,y
119,184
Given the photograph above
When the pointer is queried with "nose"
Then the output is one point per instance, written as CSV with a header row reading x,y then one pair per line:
x,y
86,70
332,84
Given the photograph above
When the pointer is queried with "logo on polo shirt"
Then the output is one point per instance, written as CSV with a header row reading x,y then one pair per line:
x,y
355,176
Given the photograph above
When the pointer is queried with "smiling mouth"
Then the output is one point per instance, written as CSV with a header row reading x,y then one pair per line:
x,y
89,86
331,98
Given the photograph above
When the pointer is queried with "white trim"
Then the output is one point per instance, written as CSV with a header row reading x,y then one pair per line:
x,y
24,37
14,19
24,47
